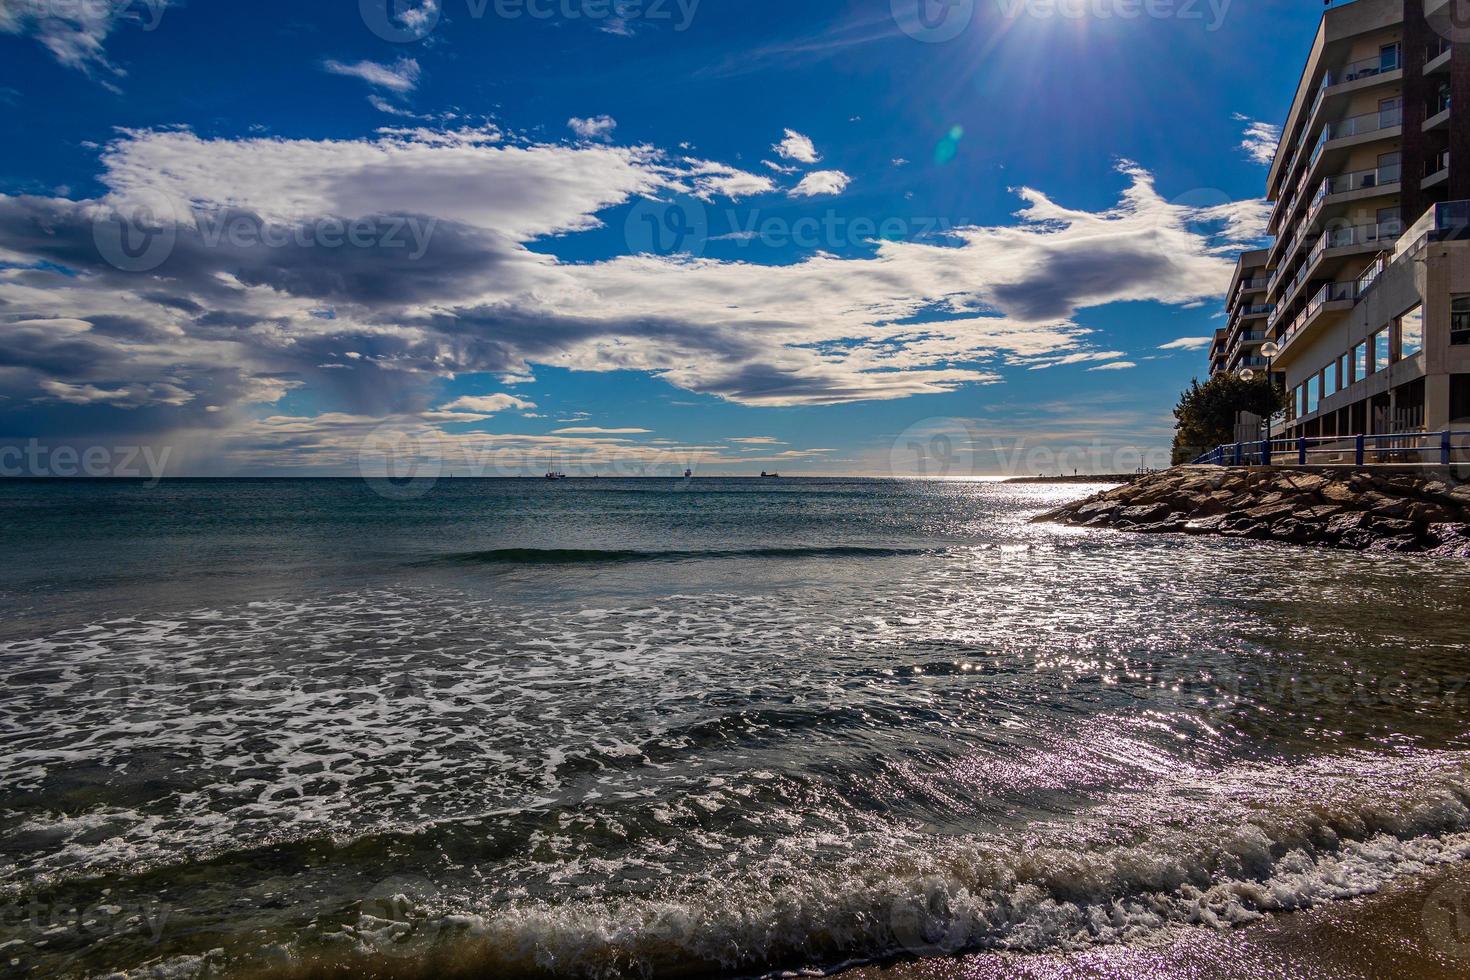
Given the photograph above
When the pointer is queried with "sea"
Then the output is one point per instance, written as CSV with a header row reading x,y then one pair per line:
x,y
689,728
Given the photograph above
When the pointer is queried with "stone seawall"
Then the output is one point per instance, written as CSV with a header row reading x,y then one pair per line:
x,y
1412,511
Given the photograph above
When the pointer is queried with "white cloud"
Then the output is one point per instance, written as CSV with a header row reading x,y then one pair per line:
x,y
1188,343
756,441
596,430
76,31
821,182
1114,366
488,404
796,147
594,127
402,76
235,327
1261,140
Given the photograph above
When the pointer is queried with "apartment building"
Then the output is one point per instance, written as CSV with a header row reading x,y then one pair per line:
x,y
1246,315
1366,291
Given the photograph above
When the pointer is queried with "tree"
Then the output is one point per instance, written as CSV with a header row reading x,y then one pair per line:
x,y
1206,412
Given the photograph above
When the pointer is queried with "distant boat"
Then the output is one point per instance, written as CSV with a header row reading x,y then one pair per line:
x,y
556,476
770,476
688,474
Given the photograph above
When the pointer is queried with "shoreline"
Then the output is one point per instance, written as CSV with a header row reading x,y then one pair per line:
x,y
1368,509
1407,930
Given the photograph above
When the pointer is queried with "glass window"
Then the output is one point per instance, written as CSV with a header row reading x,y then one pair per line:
x,y
1301,400
1380,351
1314,387
1360,362
1329,381
1460,320
1345,370
1411,332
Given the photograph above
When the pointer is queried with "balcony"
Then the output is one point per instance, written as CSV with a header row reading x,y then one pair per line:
x,y
1437,59
1257,284
1362,180
1436,171
1255,310
1368,122
1381,64
1438,114
1327,304
1382,233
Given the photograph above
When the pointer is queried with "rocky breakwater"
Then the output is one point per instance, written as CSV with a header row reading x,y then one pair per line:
x,y
1357,509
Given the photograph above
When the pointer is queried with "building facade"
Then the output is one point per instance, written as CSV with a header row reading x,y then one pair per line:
x,y
1365,290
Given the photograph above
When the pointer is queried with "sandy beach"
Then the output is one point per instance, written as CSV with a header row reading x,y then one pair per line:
x,y
1417,929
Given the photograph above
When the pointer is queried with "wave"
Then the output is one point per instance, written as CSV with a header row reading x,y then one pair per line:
x,y
600,556
1234,857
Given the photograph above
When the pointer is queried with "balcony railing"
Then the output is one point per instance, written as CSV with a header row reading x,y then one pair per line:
x,y
1257,309
1255,284
1439,163
1369,122
1438,47
1384,63
1362,180
1383,231
1332,292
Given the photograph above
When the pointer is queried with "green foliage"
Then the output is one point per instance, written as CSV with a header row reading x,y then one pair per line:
x,y
1206,412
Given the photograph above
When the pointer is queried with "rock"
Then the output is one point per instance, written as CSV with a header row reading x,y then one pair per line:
x,y
1144,514
1339,493
1386,511
1208,525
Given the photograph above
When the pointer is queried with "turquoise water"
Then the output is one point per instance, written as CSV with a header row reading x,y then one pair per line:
x,y
723,727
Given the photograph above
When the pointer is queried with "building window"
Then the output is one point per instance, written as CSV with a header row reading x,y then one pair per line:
x,y
1411,332
1460,320
1314,388
1329,381
1360,362
1380,351
1345,370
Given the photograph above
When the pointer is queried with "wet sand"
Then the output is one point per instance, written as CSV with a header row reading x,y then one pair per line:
x,y
1418,929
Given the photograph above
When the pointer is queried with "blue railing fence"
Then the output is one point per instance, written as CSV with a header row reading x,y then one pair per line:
x,y
1422,448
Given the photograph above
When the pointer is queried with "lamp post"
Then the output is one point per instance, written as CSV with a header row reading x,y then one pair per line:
x,y
1269,350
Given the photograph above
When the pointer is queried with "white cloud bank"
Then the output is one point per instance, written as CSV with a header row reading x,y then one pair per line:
x,y
461,286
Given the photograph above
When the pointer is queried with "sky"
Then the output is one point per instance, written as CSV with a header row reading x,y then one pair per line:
x,y
495,237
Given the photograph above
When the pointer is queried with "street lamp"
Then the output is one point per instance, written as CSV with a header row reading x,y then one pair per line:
x,y
1268,350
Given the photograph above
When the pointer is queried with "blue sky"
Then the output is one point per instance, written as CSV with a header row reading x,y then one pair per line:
x,y
734,236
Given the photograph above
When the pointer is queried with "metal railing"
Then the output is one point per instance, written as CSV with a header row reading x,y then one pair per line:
x,y
1362,180
1384,63
1397,448
1439,163
1369,122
